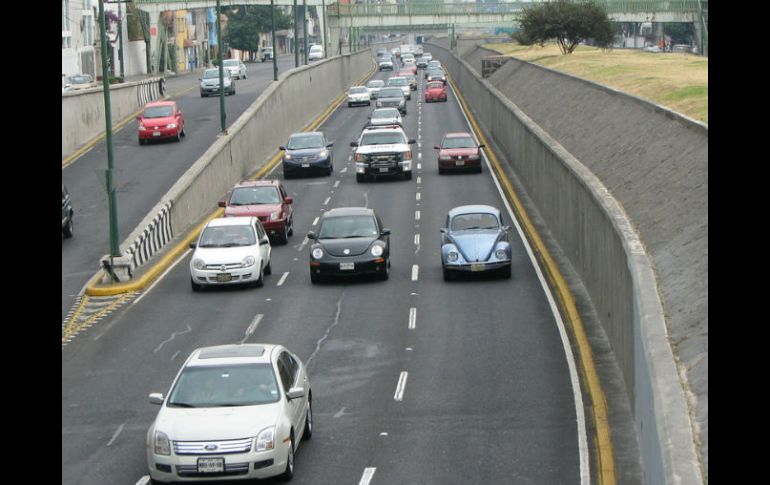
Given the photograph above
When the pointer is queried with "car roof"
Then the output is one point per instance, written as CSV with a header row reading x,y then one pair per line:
x,y
232,354
348,211
375,128
458,134
310,132
160,103
473,209
229,221
258,183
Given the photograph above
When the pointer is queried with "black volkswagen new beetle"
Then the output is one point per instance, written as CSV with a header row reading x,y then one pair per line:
x,y
350,241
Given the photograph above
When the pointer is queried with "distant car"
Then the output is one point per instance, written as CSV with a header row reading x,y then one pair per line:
x,y
374,87
392,97
422,63
385,65
475,240
435,91
458,151
652,48
159,120
359,95
382,50
231,250
236,67
210,82
401,82
411,78
350,241
435,75
266,200
233,411
427,56
66,213
266,54
307,153
81,81
315,53
385,116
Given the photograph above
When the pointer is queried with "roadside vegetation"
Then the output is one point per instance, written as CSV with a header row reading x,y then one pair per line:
x,y
677,81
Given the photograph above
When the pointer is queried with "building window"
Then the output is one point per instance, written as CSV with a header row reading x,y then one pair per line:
x,y
65,14
88,29
66,41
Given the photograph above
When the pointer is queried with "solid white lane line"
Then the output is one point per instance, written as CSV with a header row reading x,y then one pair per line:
x,y
412,318
252,327
415,271
336,184
367,476
283,278
401,386
315,221
326,202
416,215
120,428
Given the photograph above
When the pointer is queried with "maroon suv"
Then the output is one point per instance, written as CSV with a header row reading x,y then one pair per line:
x,y
265,199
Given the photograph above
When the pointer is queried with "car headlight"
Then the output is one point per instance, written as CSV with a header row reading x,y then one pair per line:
x,y
407,155
379,103
323,154
266,439
274,216
286,156
248,261
359,157
500,254
162,444
318,253
445,157
141,127
376,250
452,256
171,125
198,263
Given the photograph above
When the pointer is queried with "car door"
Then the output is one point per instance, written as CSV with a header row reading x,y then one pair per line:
x,y
288,368
288,207
264,247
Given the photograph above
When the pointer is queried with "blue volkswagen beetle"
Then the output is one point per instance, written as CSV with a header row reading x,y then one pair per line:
x,y
475,240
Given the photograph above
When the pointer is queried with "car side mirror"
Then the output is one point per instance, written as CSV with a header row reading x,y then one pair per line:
x,y
265,240
156,398
330,145
412,142
221,203
385,232
199,79
354,143
288,200
442,230
282,148
295,392
311,235
481,145
506,228
436,147
193,245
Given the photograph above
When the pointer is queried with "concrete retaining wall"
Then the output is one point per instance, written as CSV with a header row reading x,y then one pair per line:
x,y
595,233
82,113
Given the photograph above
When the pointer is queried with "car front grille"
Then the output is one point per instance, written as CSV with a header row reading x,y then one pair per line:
x,y
389,160
242,445
218,267
230,469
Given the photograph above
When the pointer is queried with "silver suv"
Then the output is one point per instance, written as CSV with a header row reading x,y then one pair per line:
x,y
382,150
210,82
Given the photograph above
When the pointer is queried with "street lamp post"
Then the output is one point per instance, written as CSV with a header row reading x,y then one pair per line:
x,y
222,114
275,50
120,36
296,36
304,26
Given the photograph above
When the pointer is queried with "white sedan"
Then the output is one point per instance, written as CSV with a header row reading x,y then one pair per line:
x,y
359,95
232,412
231,250
236,67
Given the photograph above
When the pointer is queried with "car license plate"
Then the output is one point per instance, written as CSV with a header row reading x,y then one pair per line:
x,y
211,465
460,163
384,169
305,165
477,267
347,266
224,277
155,133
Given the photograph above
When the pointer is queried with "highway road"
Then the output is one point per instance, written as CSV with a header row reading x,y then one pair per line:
x,y
143,174
488,394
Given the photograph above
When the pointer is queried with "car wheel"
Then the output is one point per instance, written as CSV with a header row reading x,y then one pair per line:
x,y
407,175
288,474
195,286
506,272
141,142
283,236
349,105
291,227
184,133
178,136
386,274
360,178
269,267
67,231
308,420
315,278
330,169
441,171
156,482
261,281
448,275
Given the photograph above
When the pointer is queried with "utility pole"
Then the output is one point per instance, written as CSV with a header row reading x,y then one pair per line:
x,y
304,25
113,209
323,12
120,36
275,51
296,36
222,114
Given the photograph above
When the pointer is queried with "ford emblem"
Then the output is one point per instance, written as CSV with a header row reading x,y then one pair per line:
x,y
211,447
347,251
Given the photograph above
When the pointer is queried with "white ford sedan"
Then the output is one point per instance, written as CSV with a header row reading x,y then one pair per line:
x,y
233,412
231,250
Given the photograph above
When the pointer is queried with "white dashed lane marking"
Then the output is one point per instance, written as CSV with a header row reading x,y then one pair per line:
x,y
401,386
412,318
415,272
367,476
283,278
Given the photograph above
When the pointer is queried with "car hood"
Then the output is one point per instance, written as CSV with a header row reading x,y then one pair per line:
x,y
225,255
434,90
459,152
219,423
390,98
475,245
158,121
356,245
255,210
305,152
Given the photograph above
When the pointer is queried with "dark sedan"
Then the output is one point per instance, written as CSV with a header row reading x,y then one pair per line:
x,y
307,153
350,241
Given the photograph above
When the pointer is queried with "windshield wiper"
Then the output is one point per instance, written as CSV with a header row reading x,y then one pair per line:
x,y
182,404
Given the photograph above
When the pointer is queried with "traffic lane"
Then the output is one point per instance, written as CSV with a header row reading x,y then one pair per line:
x,y
142,175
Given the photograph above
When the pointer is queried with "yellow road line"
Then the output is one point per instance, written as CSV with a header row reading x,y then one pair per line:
x,y
156,270
606,460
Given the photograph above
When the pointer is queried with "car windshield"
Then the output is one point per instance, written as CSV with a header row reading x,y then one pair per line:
x,y
214,73
358,90
397,81
230,62
391,93
375,84
81,79
382,138
347,227
438,85
380,114
225,385
227,237
158,112
255,195
465,222
458,142
300,142
315,48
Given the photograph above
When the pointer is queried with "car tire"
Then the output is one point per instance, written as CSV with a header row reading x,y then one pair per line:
x,y
407,175
448,275
291,227
506,272
141,142
261,281
360,178
178,136
157,482
195,286
283,236
330,170
441,171
183,133
385,274
67,231
269,267
350,105
316,278
288,473
308,433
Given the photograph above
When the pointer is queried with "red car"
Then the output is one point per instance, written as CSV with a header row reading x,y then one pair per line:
x,y
265,199
435,91
459,151
160,119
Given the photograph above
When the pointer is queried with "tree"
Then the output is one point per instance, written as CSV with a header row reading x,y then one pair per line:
x,y
567,22
246,23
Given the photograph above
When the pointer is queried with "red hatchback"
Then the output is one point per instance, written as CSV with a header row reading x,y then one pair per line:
x,y
435,91
459,151
160,119
265,199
